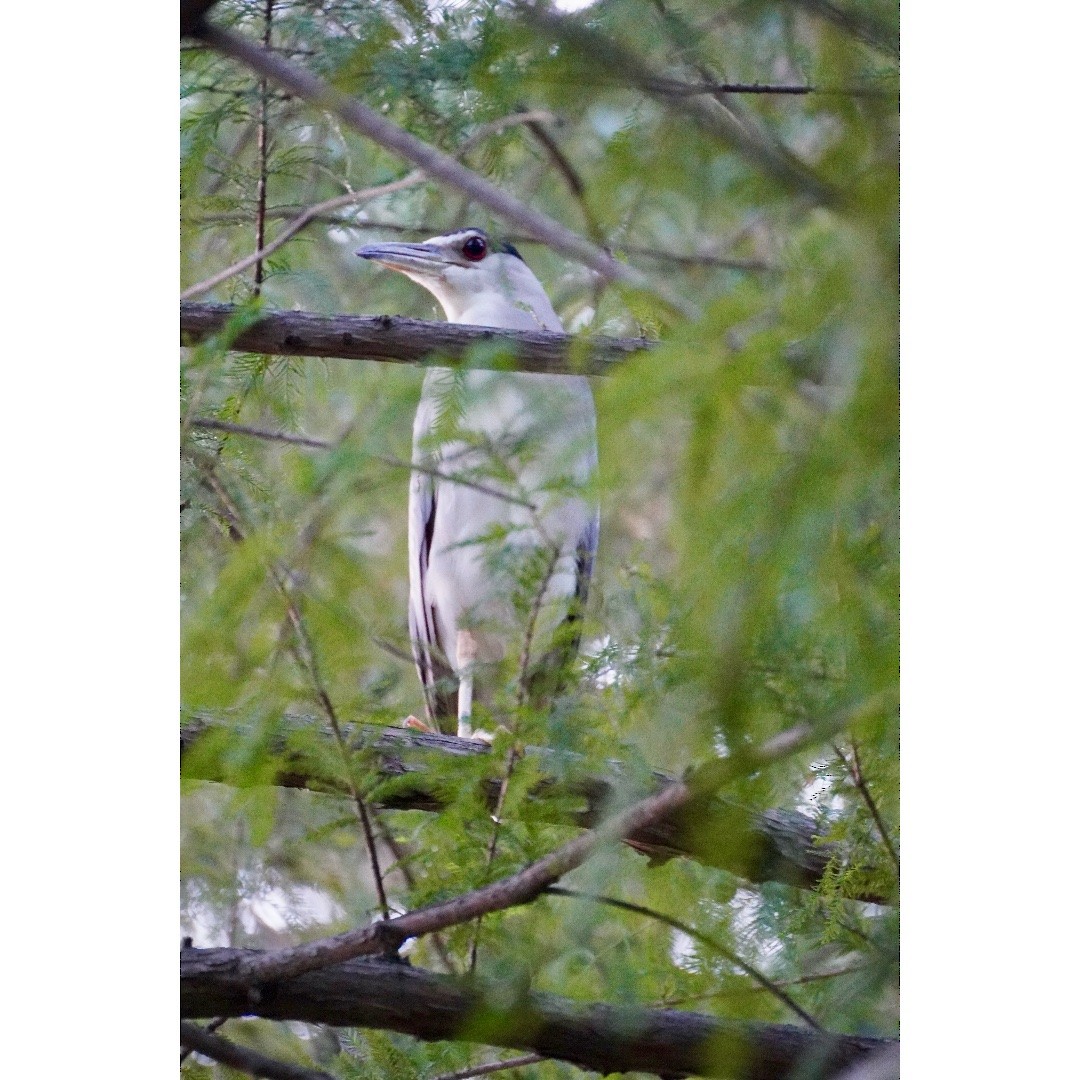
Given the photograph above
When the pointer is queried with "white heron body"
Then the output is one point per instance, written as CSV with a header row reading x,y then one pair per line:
x,y
531,438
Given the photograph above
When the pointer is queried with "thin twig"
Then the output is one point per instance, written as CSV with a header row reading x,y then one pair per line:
x,y
802,980
514,753
304,653
571,176
331,714
211,424
262,149
208,423
401,864
318,211
677,924
242,1058
854,770
492,1067
301,222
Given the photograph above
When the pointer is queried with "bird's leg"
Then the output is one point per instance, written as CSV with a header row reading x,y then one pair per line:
x,y
466,656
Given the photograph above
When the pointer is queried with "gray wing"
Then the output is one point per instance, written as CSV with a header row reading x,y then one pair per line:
x,y
436,675
584,558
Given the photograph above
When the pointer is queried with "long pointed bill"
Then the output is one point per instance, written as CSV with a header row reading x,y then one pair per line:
x,y
408,258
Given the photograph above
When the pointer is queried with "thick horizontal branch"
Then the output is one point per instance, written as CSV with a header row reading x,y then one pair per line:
x,y
603,1038
774,845
401,340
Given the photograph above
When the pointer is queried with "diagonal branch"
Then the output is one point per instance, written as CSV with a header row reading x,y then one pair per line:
x,y
320,211
299,223
526,884
492,1067
854,770
209,423
601,1038
435,163
241,1058
400,340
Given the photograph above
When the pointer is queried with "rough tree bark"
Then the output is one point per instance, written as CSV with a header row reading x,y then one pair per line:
x,y
394,996
772,845
396,339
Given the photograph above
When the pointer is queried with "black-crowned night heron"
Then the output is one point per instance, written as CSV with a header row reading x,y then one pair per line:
x,y
506,515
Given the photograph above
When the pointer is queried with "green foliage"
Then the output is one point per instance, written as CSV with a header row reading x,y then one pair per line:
x,y
748,572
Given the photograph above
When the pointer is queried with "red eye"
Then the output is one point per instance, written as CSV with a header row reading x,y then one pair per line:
x,y
475,248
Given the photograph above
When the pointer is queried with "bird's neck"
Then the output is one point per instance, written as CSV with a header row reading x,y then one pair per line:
x,y
528,309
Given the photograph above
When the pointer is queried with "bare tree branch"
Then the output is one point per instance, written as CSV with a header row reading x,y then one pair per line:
x,y
401,340
603,1038
774,845
217,1022
492,1067
526,884
202,1041
210,423
207,423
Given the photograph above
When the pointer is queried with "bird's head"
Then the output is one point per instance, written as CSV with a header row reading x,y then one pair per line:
x,y
476,279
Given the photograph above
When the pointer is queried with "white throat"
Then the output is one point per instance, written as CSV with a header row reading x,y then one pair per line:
x,y
502,292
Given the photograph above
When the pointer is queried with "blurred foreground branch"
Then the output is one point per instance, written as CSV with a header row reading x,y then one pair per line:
x,y
603,1038
401,340
772,845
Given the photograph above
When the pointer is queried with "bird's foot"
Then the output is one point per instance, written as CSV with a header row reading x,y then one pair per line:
x,y
465,731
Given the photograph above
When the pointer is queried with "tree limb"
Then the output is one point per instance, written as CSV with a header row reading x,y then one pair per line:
x,y
526,884
603,1038
773,845
242,1058
401,340
492,1067
437,164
